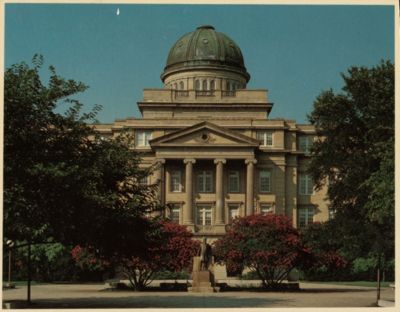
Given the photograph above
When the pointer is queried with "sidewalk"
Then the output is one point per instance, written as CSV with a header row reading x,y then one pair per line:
x,y
98,296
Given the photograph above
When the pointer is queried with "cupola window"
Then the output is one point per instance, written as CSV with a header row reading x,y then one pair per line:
x,y
204,85
197,85
181,85
212,85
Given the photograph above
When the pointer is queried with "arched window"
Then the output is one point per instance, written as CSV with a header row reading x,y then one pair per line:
x,y
197,85
175,86
204,85
228,86
212,85
181,85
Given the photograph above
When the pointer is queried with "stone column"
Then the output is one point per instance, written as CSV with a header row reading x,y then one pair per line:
x,y
188,209
250,186
160,178
219,191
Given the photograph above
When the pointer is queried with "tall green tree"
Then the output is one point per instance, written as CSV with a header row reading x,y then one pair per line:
x,y
355,155
62,182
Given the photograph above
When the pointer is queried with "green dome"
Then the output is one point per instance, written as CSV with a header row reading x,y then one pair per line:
x,y
205,48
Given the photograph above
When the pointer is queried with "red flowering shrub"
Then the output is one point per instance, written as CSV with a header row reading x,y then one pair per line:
x,y
86,259
178,248
171,248
267,245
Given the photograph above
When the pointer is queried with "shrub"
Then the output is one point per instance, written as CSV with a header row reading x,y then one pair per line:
x,y
171,248
267,245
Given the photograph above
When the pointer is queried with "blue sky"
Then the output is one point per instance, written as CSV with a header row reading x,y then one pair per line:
x,y
293,51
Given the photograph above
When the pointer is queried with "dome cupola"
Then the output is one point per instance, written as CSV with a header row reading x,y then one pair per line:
x,y
203,52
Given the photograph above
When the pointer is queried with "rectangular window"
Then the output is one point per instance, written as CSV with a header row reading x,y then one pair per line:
x,y
176,182
233,212
306,184
305,143
204,215
306,216
233,181
205,181
265,137
175,213
266,209
265,181
142,138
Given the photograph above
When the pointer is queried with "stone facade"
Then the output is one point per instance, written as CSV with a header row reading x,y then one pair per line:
x,y
218,153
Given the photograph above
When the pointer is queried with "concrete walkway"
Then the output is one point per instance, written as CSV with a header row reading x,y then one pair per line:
x,y
98,296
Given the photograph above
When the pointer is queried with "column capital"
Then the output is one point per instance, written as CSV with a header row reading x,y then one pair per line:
x,y
220,160
189,160
160,161
250,160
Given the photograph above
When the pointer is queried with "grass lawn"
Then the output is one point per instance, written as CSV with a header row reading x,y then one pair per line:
x,y
355,283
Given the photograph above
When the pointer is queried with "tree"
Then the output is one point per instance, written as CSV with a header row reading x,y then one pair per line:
x,y
328,261
355,153
172,249
267,245
63,182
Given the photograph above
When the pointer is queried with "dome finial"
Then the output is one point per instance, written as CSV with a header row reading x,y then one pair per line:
x,y
206,27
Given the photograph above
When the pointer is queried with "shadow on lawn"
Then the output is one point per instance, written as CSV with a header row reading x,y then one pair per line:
x,y
333,290
183,301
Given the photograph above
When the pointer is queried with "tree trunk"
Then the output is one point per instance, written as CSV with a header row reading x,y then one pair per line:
x,y
378,277
29,274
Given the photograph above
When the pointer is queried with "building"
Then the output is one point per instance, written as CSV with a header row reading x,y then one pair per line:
x,y
219,155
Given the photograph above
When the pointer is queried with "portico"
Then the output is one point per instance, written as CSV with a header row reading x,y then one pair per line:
x,y
215,170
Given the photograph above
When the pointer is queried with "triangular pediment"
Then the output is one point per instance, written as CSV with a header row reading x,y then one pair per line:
x,y
204,134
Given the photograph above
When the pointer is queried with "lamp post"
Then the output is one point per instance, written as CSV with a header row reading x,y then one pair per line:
x,y
10,244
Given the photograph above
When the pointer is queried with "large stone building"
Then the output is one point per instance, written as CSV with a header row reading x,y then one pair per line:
x,y
219,154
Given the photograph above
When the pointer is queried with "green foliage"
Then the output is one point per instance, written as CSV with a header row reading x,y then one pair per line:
x,y
51,263
362,265
164,275
61,180
326,248
365,269
355,154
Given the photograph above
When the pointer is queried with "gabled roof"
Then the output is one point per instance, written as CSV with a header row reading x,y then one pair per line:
x,y
204,134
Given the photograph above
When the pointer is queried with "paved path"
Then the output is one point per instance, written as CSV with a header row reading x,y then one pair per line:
x,y
97,296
